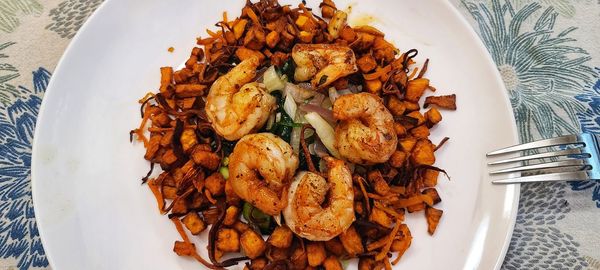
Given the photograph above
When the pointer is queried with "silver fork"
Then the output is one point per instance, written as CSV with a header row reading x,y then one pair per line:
x,y
576,164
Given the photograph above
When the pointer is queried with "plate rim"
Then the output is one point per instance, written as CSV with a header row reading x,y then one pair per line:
x,y
515,132
449,6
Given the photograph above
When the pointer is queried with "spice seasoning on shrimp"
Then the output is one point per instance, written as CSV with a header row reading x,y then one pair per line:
x,y
245,131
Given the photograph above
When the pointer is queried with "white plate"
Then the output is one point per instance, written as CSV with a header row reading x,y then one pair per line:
x,y
93,213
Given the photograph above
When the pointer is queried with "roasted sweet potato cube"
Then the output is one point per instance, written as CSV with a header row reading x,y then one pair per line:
x,y
166,78
179,207
191,61
416,207
168,179
281,237
407,144
417,115
366,63
169,193
258,263
382,50
401,246
332,263
189,90
231,215
420,132
335,246
253,245
272,39
194,223
348,34
433,194
366,40
182,75
215,184
430,178
396,106
415,89
277,254
230,196
240,226
184,249
398,158
239,27
411,106
445,102
244,53
196,200
254,38
153,146
400,129
433,116
379,184
206,159
316,253
298,257
351,241
228,240
306,36
188,139
210,215
422,153
373,86
327,8
161,119
166,139
380,217
433,218
169,157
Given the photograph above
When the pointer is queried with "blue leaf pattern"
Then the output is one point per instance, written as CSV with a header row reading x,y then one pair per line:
x,y
590,122
547,78
19,236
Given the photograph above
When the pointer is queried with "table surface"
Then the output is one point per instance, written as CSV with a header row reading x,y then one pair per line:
x,y
547,51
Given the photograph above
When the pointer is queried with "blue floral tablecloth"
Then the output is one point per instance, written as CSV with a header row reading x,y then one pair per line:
x,y
547,51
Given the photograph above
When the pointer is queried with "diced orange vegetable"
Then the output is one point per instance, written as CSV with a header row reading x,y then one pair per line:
x,y
430,178
244,53
415,89
423,153
351,241
445,102
433,218
433,116
398,158
366,63
420,132
272,39
316,253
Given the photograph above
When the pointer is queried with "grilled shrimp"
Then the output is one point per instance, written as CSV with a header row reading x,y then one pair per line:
x,y
234,111
365,134
324,63
305,214
260,169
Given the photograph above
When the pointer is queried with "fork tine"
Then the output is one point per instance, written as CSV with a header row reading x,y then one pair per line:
x,y
566,152
548,165
568,139
561,176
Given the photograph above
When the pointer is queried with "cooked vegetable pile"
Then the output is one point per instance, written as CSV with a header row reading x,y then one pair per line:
x,y
349,157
